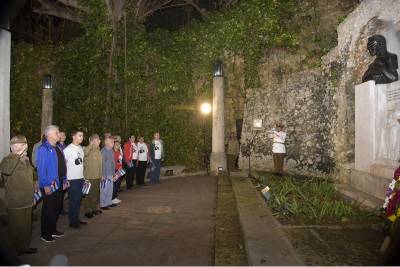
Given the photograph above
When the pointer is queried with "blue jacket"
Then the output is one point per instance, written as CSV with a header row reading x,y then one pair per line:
x,y
47,165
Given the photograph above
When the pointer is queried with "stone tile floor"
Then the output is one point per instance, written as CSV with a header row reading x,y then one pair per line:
x,y
167,224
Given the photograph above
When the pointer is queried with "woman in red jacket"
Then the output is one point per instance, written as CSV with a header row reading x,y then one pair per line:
x,y
118,165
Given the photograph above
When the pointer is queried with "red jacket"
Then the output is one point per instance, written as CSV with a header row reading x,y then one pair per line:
x,y
117,159
128,152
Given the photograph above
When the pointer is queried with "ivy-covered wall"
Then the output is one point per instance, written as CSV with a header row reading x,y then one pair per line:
x,y
156,80
314,96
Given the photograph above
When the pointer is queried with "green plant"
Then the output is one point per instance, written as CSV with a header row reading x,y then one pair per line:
x,y
310,199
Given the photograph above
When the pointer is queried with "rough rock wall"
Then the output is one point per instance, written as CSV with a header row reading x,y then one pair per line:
x,y
317,104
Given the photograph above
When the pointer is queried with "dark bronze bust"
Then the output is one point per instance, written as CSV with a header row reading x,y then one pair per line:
x,y
384,68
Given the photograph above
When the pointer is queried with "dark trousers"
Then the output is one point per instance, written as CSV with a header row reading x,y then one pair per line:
x,y
141,172
155,171
130,174
116,187
50,212
20,227
74,197
62,200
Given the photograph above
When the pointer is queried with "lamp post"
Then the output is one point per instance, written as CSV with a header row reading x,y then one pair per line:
x,y
47,102
218,157
205,109
5,63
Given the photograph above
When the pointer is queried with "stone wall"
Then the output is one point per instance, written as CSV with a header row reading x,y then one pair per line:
x,y
317,103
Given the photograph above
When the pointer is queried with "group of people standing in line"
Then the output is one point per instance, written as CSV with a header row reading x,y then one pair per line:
x,y
92,173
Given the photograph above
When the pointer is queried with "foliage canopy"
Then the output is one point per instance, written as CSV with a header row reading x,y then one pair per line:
x,y
162,74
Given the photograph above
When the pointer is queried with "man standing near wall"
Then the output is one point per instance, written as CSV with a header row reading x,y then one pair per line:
x,y
108,171
278,148
50,183
35,148
74,156
93,172
17,173
61,146
157,156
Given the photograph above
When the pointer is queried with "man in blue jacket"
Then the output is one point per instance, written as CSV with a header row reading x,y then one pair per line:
x,y
52,181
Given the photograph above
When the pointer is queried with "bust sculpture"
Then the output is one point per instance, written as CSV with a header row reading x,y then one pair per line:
x,y
384,68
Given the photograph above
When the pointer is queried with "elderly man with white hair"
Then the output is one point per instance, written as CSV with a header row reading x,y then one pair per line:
x,y
17,178
52,181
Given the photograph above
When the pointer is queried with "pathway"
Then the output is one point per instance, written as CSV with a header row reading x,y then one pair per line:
x,y
167,224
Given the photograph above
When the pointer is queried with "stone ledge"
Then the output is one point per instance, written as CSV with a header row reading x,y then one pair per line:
x,y
266,243
363,198
370,184
175,170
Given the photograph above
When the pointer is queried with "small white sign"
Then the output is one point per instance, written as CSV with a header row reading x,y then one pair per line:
x,y
257,123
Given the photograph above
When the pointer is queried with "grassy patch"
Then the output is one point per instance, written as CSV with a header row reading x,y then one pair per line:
x,y
229,241
311,200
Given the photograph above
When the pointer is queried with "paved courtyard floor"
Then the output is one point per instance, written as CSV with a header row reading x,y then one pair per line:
x,y
167,224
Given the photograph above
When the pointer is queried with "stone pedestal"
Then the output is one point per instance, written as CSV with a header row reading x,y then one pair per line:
x,y
47,109
5,60
377,136
218,156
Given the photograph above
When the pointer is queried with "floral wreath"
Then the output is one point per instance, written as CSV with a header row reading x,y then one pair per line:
x,y
392,200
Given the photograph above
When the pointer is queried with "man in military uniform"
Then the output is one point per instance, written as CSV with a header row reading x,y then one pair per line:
x,y
17,175
93,172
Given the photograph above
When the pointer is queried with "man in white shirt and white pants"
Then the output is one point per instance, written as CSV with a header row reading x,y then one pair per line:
x,y
74,156
278,148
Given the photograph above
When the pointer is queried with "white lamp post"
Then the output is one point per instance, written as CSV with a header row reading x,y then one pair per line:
x,y
218,157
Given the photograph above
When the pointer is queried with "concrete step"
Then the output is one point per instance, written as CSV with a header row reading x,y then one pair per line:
x,y
366,200
266,243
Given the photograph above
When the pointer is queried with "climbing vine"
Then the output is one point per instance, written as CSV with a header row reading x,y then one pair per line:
x,y
160,71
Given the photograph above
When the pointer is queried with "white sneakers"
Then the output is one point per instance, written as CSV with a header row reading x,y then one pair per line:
x,y
116,201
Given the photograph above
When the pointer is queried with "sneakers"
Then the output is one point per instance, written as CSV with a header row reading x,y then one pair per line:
x,y
116,201
113,205
57,234
48,239
83,222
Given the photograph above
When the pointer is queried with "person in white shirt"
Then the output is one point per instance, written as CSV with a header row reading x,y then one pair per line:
x,y
143,160
130,160
157,156
74,156
278,148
